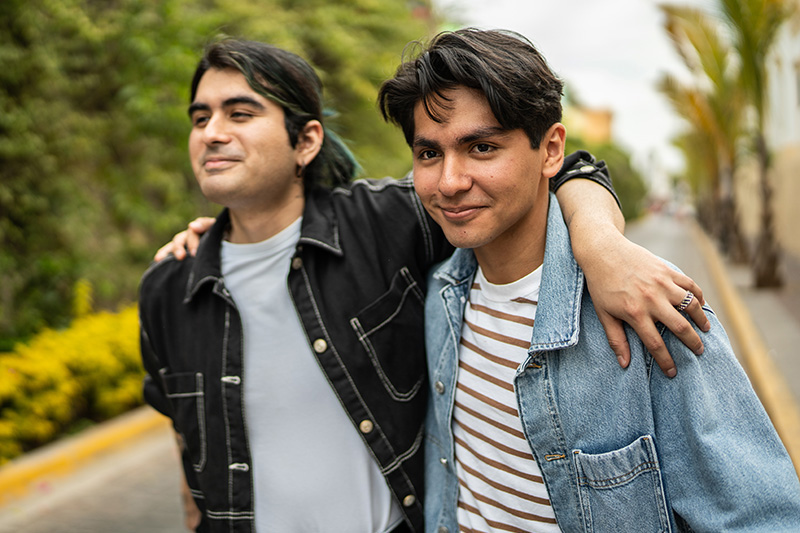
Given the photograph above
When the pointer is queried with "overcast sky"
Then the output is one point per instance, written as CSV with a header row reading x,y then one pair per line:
x,y
610,53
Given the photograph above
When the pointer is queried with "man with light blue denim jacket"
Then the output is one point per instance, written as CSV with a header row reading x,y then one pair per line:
x,y
532,426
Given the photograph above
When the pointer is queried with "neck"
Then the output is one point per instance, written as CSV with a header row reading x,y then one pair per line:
x,y
519,251
256,225
516,263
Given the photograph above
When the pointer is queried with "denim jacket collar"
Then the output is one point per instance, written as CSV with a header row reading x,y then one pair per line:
x,y
558,312
319,229
207,265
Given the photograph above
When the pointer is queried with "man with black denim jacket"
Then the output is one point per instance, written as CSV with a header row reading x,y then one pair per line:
x,y
268,441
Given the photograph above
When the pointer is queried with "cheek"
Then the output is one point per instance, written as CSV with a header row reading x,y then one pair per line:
x,y
425,180
195,145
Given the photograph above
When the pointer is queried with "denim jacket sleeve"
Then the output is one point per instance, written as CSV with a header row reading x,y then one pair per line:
x,y
728,469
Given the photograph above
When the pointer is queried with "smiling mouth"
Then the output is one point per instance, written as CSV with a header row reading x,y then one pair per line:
x,y
218,164
460,212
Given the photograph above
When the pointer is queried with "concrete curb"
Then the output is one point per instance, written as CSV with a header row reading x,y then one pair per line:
x,y
38,468
764,374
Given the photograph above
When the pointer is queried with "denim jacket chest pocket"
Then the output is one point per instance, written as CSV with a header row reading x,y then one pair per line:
x,y
622,486
185,392
393,320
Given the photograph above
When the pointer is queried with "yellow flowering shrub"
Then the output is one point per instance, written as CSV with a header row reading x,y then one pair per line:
x,y
90,371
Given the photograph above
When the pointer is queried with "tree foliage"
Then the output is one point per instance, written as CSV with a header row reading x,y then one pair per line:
x,y
714,107
628,182
727,52
93,128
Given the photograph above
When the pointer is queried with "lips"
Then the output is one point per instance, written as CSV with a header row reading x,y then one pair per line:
x,y
460,212
218,162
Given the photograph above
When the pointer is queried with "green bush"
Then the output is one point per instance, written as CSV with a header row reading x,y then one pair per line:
x,y
61,379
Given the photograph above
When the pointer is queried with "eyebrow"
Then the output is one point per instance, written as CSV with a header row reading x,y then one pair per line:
x,y
480,133
230,102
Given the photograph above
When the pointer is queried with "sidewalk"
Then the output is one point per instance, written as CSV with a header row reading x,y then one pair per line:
x,y
123,475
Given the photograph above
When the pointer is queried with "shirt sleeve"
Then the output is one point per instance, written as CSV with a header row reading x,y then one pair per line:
x,y
582,164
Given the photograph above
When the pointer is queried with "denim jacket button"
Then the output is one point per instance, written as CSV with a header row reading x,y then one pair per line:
x,y
409,500
366,426
297,262
442,529
439,386
320,345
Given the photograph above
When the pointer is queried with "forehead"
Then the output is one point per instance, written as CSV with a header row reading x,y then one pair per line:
x,y
460,115
222,84
460,107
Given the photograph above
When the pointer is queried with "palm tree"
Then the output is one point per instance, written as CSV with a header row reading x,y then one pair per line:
x,y
714,107
754,25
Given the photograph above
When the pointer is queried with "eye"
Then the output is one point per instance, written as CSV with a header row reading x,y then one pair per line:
x,y
427,154
483,148
240,115
199,120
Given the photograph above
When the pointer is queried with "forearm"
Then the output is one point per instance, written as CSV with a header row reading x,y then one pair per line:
x,y
626,281
592,217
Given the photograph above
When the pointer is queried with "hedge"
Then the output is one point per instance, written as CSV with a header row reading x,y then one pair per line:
x,y
64,380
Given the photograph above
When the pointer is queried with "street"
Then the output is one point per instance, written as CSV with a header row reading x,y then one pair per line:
x,y
134,490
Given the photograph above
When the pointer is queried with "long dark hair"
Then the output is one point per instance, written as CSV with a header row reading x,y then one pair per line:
x,y
289,81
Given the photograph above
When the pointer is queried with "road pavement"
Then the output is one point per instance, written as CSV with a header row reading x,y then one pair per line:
x,y
134,488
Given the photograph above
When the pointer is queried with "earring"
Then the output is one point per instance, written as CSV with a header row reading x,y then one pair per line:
x,y
301,169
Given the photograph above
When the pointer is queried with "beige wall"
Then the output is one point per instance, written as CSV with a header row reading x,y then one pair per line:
x,y
783,136
785,179
591,125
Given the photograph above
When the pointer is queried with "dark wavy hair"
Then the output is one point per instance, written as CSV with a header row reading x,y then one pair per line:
x,y
521,89
289,81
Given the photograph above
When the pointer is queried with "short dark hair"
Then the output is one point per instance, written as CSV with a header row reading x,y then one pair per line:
x,y
521,89
289,81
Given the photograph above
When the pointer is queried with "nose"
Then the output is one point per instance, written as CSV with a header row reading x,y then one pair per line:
x,y
455,177
215,131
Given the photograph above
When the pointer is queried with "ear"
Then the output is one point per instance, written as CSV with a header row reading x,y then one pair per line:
x,y
309,142
553,147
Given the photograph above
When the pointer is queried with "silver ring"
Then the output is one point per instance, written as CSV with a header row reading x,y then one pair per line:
x,y
685,302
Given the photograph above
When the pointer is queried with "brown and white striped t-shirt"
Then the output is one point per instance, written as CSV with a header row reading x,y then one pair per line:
x,y
500,484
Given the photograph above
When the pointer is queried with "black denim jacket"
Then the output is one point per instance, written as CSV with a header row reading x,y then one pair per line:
x,y
357,280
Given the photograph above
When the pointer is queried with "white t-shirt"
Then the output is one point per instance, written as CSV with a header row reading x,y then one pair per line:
x,y
500,484
310,468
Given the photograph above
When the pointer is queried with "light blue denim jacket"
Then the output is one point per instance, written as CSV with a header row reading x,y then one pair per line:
x,y
619,449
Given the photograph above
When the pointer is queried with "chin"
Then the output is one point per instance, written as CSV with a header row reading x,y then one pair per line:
x,y
463,241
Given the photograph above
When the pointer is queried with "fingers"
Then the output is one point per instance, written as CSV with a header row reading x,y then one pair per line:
x,y
179,245
681,328
685,283
695,308
698,315
163,252
197,228
616,338
202,224
653,343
